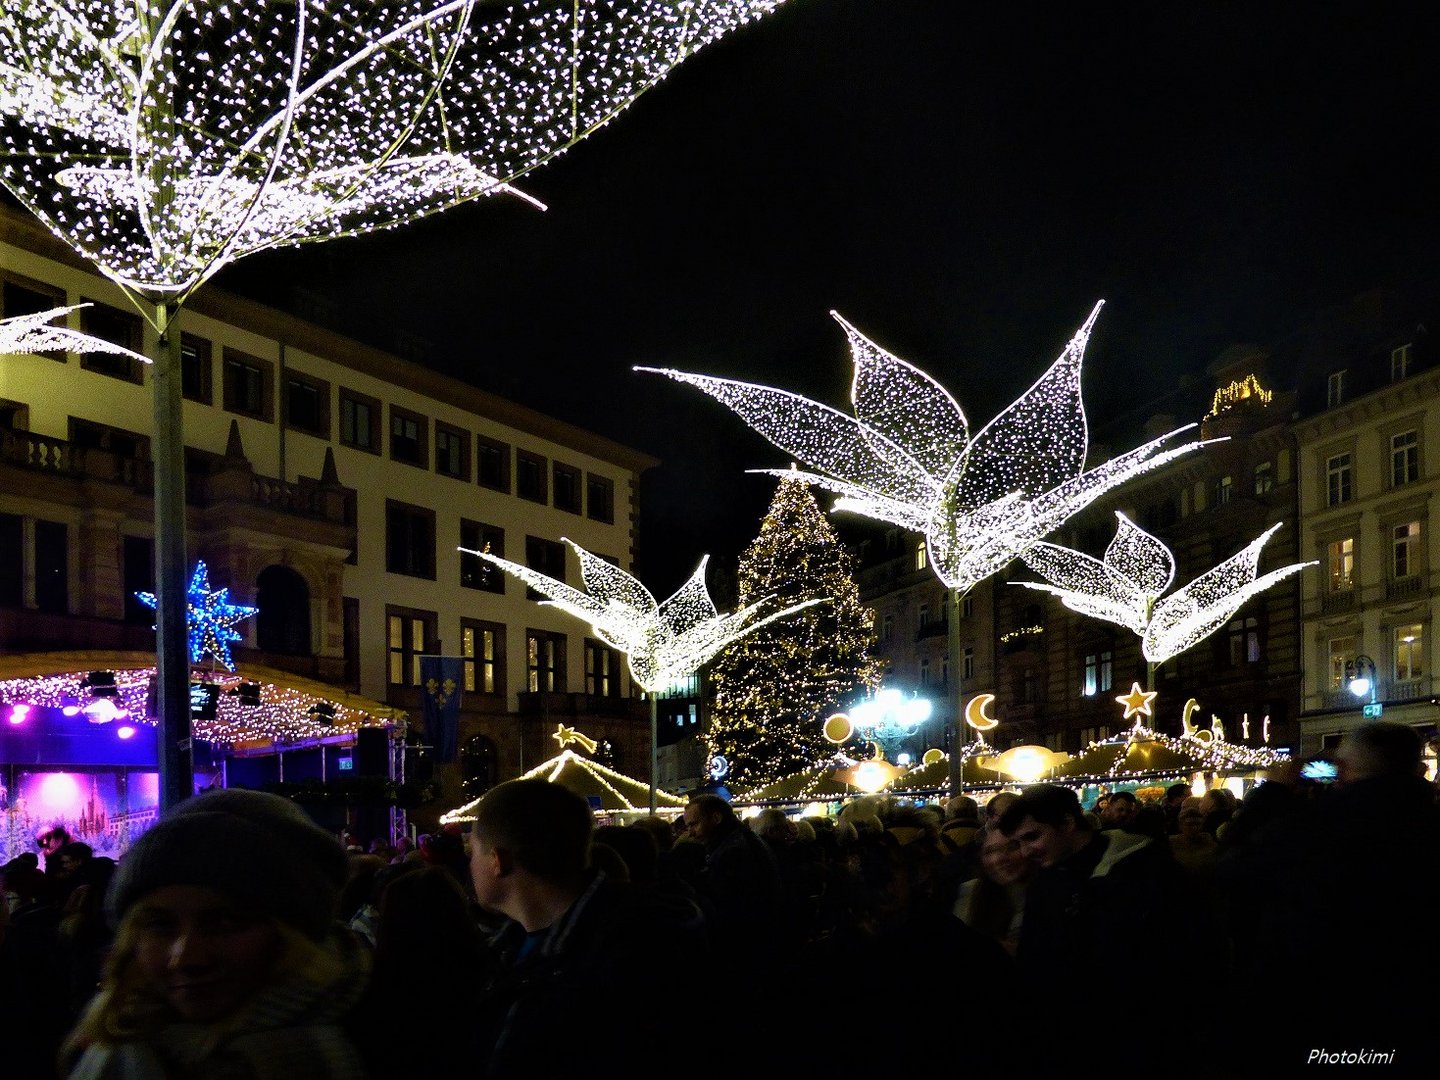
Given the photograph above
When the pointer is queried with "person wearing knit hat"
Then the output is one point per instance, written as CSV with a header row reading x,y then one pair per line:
x,y
228,956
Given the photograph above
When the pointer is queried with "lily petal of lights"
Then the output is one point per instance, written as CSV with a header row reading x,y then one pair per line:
x,y
212,619
164,140
906,457
37,333
665,642
1125,586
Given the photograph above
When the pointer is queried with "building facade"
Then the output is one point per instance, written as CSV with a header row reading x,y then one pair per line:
x,y
329,484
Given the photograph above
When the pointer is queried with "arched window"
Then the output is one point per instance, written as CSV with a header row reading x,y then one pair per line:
x,y
283,622
478,766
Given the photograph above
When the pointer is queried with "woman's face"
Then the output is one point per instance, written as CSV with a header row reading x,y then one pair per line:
x,y
205,954
1001,859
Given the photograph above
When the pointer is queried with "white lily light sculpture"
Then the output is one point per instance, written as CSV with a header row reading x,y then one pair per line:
x,y
164,139
1126,585
37,333
665,642
906,456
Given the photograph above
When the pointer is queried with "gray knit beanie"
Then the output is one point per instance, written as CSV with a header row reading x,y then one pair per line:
x,y
258,848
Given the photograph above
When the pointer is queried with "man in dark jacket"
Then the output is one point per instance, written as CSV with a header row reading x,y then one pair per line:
x,y
579,953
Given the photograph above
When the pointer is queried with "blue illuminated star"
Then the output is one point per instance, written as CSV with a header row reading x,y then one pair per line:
x,y
210,620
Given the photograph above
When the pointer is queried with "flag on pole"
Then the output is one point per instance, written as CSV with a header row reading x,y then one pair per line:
x,y
440,679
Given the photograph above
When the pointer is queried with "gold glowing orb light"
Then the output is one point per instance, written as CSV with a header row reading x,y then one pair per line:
x,y
932,756
1026,764
838,728
1125,587
163,140
906,456
664,642
869,776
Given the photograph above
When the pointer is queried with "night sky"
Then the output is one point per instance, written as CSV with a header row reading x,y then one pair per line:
x,y
961,181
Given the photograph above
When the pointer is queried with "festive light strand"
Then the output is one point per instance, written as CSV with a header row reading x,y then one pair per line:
x,y
164,140
906,456
35,333
1125,587
665,643
212,618
585,776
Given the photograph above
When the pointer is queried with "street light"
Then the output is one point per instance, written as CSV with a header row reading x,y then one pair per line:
x,y
1360,678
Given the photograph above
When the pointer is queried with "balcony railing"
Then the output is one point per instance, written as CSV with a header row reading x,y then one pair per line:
x,y
1410,585
1339,600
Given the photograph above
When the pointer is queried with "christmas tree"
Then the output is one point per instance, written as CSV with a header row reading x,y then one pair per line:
x,y
774,689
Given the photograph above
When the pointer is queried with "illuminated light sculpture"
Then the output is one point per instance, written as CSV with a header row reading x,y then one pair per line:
x,y
1125,587
37,333
665,643
976,716
889,718
163,141
212,619
906,457
1138,702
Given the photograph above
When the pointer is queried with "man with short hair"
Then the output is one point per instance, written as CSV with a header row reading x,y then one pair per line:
x,y
578,951
740,886
1120,811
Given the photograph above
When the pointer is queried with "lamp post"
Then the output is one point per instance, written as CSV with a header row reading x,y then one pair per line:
x,y
1361,680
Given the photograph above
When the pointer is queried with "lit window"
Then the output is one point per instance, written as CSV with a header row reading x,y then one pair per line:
x,y
922,557
1264,478
1342,656
1340,557
543,656
480,645
1409,652
409,635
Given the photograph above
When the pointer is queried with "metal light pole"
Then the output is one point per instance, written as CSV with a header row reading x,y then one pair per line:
x,y
1361,680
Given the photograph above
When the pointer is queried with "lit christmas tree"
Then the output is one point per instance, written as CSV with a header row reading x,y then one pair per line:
x,y
774,689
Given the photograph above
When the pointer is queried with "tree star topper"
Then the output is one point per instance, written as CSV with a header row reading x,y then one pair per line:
x,y
906,457
211,619
664,642
1138,702
1125,586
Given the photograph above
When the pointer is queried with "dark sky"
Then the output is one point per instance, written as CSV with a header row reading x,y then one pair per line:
x,y
961,181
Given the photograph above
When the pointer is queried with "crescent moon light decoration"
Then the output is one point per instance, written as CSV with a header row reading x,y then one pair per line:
x,y
975,713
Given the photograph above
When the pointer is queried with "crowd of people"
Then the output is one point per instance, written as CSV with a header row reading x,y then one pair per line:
x,y
238,939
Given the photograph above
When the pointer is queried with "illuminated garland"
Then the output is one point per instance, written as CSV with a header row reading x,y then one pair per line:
x,y
1105,759
1125,587
211,618
164,140
665,642
35,334
625,793
1247,389
906,456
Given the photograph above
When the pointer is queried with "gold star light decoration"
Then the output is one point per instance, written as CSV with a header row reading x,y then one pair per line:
x,y
1126,585
907,457
164,139
665,642
1138,702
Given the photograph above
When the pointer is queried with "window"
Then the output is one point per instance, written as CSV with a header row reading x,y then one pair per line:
x,y
1404,458
1335,389
1224,488
475,572
922,617
548,557
452,452
87,435
925,672
1099,673
602,670
544,661
1404,547
359,421
1399,363
967,607
307,405
1264,478
599,498
530,477
1340,561
1342,654
118,327
196,362
1338,480
409,540
1244,641
12,560
410,635
1409,652
25,297
138,575
52,567
492,464
922,556
482,646
887,628
247,385
38,548
967,663
407,437
1094,734
567,488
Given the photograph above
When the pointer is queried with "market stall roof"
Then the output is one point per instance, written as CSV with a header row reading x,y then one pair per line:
x,y
817,784
1143,754
614,791
975,772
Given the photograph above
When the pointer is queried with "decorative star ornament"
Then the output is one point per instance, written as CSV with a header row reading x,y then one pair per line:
x,y
1138,702
566,735
1125,587
165,140
211,619
35,334
907,457
665,642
